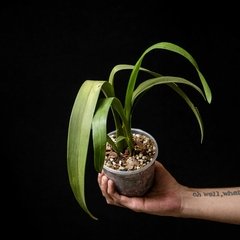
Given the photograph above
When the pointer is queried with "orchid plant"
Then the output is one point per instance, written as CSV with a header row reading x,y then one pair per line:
x,y
97,98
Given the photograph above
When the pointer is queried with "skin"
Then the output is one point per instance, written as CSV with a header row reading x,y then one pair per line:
x,y
167,197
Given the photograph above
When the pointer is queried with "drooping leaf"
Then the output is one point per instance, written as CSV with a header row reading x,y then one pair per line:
x,y
147,84
173,83
169,47
79,133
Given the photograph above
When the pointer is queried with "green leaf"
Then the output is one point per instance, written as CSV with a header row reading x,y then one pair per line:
x,y
99,132
99,129
79,133
164,46
118,68
191,105
147,84
175,48
172,82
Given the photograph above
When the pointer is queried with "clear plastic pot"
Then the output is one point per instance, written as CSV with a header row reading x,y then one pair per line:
x,y
134,182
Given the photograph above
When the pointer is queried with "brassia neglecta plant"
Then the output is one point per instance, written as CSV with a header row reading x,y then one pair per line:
x,y
93,103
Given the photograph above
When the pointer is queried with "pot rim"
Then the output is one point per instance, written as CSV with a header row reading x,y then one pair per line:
x,y
120,172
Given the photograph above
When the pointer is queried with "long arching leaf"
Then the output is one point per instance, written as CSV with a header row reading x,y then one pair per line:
x,y
147,84
79,133
164,46
172,82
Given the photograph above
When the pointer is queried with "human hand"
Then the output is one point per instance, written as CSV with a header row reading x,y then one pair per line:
x,y
164,198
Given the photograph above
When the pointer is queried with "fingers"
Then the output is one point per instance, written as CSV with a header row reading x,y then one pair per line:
x,y
108,190
103,184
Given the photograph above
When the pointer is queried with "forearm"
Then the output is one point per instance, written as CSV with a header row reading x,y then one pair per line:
x,y
215,204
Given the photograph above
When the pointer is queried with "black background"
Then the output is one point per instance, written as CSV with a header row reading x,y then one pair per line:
x,y
47,51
